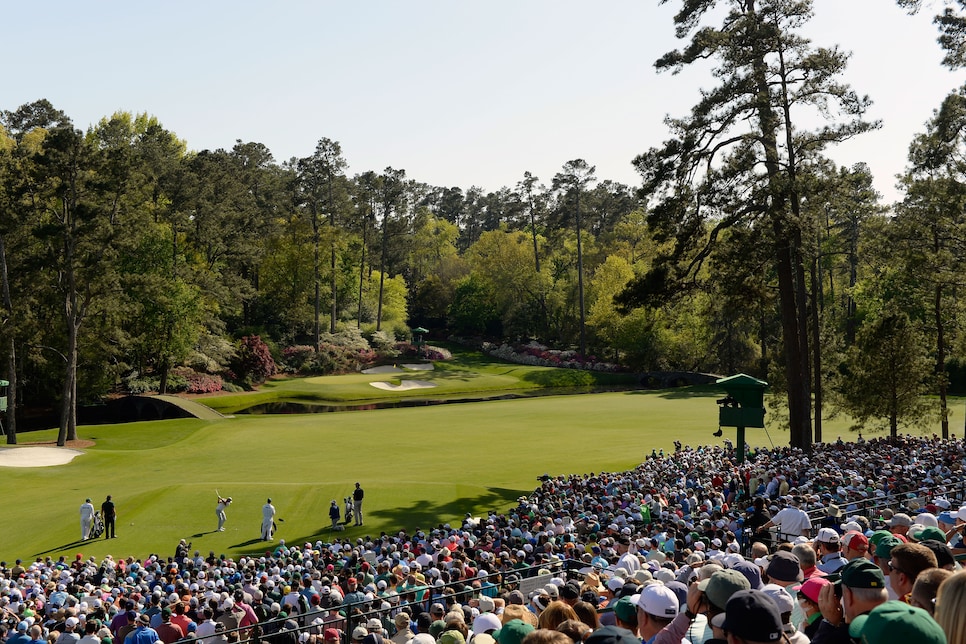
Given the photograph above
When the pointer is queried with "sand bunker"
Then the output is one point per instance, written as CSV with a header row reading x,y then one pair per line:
x,y
395,369
423,366
36,456
404,385
383,369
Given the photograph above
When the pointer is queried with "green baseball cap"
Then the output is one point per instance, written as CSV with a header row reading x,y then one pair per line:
x,y
862,573
720,586
930,532
895,622
878,536
625,609
883,549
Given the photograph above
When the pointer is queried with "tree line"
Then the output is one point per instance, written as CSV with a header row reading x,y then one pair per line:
x,y
745,248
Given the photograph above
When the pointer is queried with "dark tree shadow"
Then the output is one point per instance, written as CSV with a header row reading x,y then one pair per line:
x,y
420,513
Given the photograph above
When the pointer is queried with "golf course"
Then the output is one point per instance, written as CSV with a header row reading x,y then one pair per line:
x,y
420,466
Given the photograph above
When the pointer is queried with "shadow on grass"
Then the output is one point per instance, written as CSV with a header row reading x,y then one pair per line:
x,y
420,513
71,544
683,393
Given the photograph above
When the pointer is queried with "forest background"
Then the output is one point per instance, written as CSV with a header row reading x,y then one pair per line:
x,y
132,263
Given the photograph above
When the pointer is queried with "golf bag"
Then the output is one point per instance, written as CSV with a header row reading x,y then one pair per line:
x,y
97,526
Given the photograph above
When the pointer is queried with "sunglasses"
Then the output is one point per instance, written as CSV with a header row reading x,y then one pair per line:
x,y
895,568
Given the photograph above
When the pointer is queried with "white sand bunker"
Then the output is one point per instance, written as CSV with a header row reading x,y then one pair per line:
x,y
427,366
404,385
383,369
36,456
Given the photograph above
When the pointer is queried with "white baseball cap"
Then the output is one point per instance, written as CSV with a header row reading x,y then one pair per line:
x,y
658,600
827,535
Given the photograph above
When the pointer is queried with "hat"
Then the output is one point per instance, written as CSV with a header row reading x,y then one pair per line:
x,y
720,586
359,633
827,535
784,566
449,637
486,604
144,618
782,599
900,519
947,518
374,625
486,622
515,597
749,570
615,583
812,587
611,635
855,541
930,532
625,608
512,632
960,513
884,548
330,634
751,615
658,600
862,573
895,622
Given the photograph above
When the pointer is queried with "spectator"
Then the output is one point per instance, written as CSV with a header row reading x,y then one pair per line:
x,y
926,587
906,562
895,622
951,607
862,588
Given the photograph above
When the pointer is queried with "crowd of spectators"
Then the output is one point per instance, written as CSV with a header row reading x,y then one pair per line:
x,y
853,540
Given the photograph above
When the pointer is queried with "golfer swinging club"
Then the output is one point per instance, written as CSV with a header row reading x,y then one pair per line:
x,y
220,510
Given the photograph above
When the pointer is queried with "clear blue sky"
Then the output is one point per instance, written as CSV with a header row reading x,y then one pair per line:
x,y
456,93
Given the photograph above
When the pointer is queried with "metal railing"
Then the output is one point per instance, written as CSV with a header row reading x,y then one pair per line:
x,y
351,615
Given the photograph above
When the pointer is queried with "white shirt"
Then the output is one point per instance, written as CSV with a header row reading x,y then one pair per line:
x,y
792,521
87,511
268,511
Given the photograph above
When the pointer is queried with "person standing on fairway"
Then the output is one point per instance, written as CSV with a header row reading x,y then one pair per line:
x,y
86,518
268,520
109,513
220,511
334,515
357,495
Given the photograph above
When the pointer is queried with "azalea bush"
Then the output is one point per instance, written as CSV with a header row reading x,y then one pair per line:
x,y
253,363
194,382
538,355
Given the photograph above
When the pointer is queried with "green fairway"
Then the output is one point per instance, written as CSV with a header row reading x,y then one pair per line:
x,y
419,466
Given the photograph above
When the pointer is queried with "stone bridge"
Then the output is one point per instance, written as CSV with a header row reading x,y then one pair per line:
x,y
134,408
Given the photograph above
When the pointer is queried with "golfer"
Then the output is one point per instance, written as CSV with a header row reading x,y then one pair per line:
x,y
220,512
268,520
357,495
109,512
86,517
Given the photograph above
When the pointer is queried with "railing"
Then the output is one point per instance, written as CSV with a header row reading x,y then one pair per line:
x,y
526,578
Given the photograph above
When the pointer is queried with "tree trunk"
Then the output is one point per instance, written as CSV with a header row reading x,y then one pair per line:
x,y
382,267
580,283
788,258
333,308
362,272
941,360
11,417
317,278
